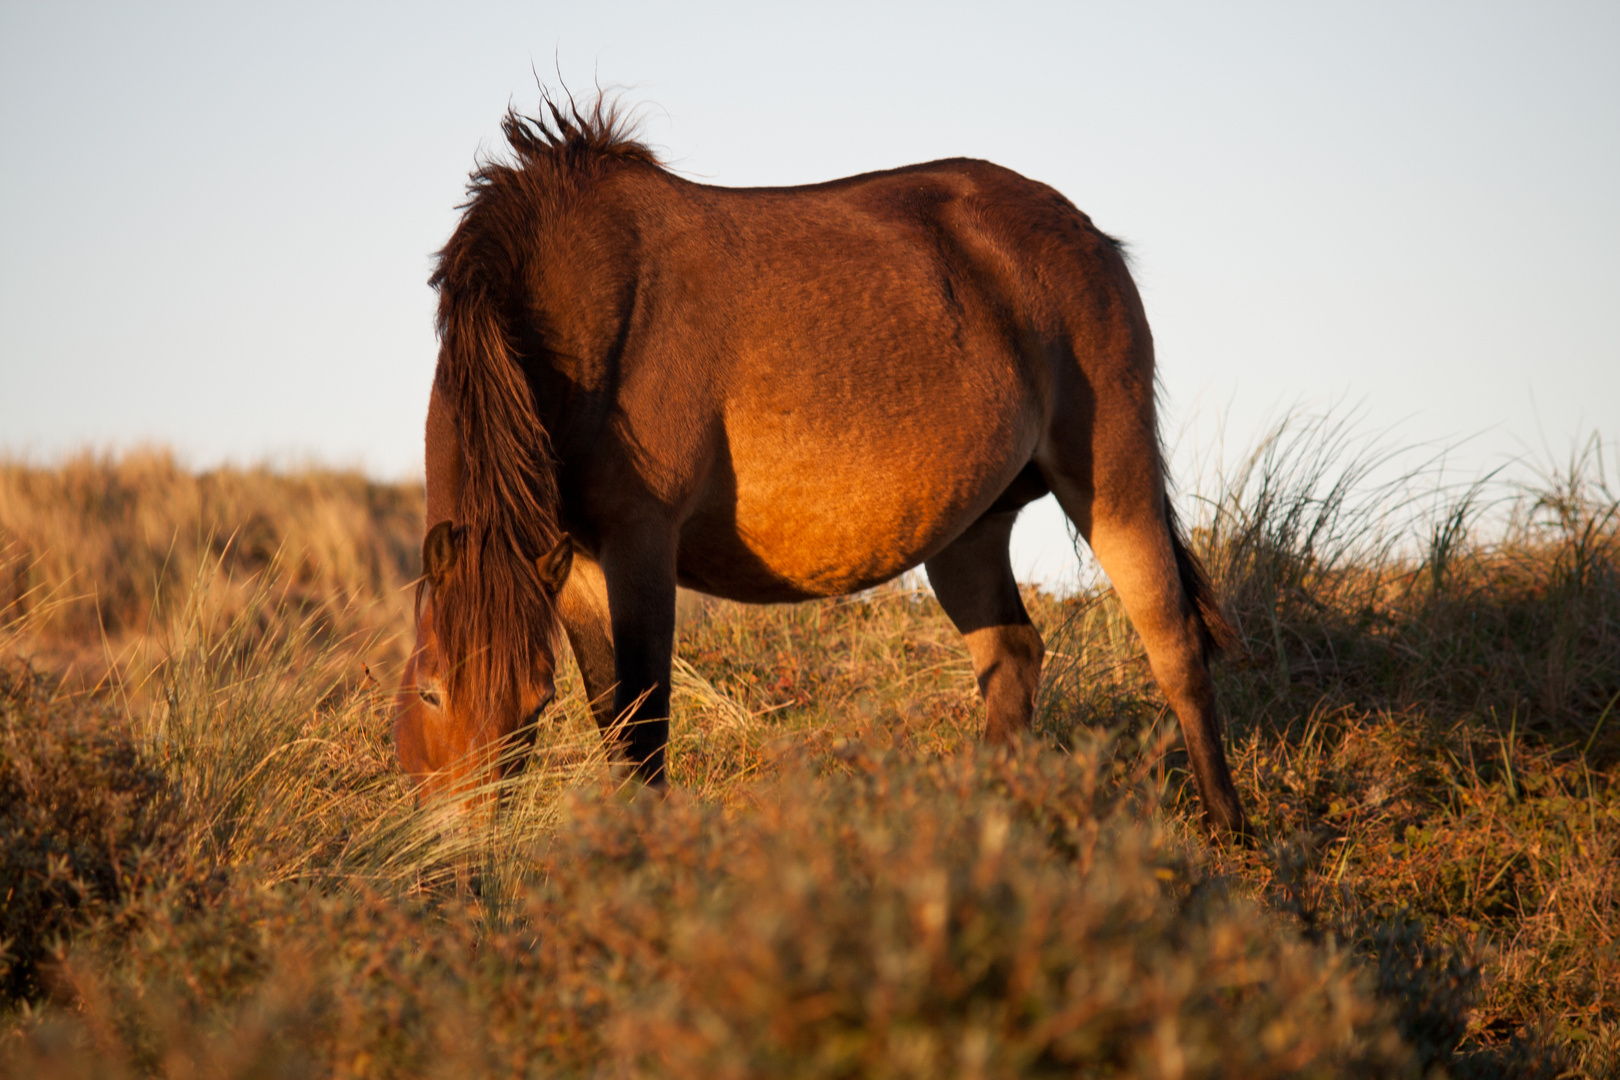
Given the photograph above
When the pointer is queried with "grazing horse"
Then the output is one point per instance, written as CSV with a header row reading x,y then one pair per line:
x,y
772,394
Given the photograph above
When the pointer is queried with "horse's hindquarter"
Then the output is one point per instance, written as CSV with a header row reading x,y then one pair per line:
x,y
870,396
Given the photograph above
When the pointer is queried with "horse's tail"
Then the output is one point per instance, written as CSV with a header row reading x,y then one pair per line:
x,y
1216,633
508,500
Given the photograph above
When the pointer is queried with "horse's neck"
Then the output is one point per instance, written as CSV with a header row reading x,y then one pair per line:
x,y
443,461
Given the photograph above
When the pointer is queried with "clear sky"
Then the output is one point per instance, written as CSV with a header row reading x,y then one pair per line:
x,y
217,220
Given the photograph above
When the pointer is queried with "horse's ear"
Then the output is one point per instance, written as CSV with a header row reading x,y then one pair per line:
x,y
439,552
555,564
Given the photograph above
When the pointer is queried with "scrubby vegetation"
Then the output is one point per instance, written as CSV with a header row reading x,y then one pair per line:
x,y
211,868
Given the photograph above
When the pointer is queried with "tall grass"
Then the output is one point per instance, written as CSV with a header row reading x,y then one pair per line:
x,y
212,867
1379,590
109,547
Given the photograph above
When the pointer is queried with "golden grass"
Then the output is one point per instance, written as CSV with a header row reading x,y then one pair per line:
x,y
99,550
212,868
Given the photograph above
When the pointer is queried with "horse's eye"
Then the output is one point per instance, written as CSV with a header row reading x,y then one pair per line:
x,y
430,697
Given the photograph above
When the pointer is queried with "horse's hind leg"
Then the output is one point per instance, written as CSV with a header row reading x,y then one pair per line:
x,y
973,580
1119,506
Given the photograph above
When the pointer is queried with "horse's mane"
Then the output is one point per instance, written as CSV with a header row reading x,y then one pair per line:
x,y
604,131
493,616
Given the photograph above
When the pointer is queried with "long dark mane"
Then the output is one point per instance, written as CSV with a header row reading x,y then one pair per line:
x,y
495,619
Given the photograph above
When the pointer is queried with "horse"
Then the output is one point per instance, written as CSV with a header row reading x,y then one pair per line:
x,y
771,395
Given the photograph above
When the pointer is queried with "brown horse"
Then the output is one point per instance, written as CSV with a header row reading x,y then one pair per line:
x,y
772,394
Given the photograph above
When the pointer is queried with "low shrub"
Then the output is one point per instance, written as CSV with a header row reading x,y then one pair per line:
x,y
979,915
83,821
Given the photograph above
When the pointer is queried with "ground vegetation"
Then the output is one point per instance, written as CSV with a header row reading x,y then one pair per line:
x,y
211,866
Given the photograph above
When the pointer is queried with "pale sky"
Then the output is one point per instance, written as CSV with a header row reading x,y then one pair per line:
x,y
217,221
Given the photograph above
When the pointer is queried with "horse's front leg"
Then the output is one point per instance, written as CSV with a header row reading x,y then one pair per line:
x,y
638,563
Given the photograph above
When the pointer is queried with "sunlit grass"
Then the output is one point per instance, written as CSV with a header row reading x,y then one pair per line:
x,y
212,866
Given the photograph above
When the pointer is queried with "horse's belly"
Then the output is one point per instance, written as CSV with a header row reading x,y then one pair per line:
x,y
859,439
794,516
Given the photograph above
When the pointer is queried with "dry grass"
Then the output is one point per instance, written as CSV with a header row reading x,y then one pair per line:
x,y
97,551
212,868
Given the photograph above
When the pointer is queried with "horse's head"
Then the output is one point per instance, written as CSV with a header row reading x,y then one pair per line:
x,y
482,669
